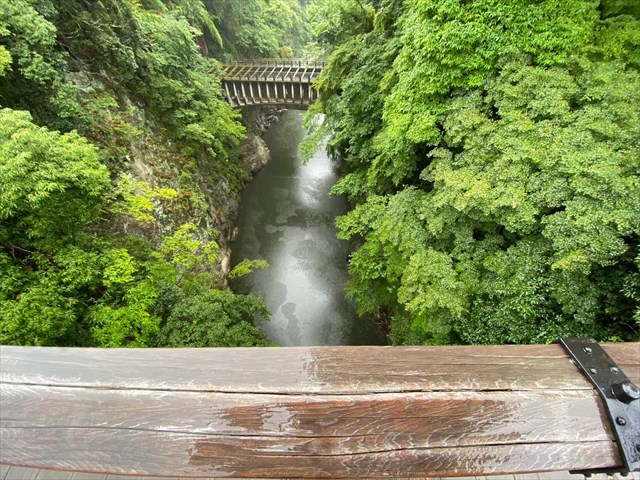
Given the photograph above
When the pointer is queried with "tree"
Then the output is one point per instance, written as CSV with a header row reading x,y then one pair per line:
x,y
51,189
214,319
88,262
494,165
259,28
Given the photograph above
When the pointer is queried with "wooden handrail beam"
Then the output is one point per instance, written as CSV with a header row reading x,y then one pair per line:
x,y
339,412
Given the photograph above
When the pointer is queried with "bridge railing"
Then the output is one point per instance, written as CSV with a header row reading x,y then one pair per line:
x,y
284,62
325,412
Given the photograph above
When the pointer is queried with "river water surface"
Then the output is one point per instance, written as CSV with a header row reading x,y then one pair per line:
x,y
287,218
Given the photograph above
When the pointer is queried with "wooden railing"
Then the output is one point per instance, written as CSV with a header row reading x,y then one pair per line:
x,y
288,62
325,412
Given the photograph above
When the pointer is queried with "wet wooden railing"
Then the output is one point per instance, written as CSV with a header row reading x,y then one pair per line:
x,y
339,412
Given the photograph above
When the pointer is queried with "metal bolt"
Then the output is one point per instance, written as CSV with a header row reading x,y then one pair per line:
x,y
621,421
587,349
615,369
626,392
593,370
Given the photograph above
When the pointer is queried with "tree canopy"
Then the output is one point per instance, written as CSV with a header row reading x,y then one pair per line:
x,y
490,151
118,156
259,28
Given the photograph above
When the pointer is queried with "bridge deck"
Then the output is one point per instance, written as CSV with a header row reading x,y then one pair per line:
x,y
21,473
325,412
276,73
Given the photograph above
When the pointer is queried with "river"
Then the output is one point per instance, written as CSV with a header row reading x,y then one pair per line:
x,y
287,218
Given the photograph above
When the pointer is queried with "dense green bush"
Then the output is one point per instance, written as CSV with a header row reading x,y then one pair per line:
x,y
214,319
491,150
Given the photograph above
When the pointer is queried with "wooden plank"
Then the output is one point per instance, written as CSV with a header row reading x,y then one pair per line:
x,y
270,74
95,476
283,435
227,70
182,454
286,75
251,94
21,473
343,412
319,370
436,419
236,96
57,475
270,85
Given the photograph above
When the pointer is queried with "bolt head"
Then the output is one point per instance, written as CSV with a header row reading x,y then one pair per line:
x,y
593,370
587,349
615,369
626,391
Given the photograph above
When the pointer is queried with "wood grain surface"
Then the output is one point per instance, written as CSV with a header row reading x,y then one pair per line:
x,y
322,412
318,370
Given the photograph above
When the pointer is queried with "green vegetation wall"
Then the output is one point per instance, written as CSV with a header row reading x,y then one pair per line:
x,y
257,28
118,161
491,154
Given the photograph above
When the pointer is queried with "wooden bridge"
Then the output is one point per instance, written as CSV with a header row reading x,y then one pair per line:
x,y
323,412
280,83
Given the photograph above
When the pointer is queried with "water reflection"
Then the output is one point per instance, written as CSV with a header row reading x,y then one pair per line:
x,y
287,218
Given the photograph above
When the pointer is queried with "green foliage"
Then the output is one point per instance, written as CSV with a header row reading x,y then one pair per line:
x,y
214,319
140,198
197,14
187,253
33,66
44,176
5,61
246,266
336,21
149,54
129,323
259,28
61,284
134,79
491,148
631,289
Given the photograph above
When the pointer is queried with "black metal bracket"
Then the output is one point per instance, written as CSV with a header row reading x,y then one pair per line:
x,y
621,398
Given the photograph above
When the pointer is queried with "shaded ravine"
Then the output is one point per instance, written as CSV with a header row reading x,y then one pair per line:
x,y
287,218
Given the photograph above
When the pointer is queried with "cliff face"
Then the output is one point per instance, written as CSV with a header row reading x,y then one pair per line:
x,y
139,146
204,198
255,155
